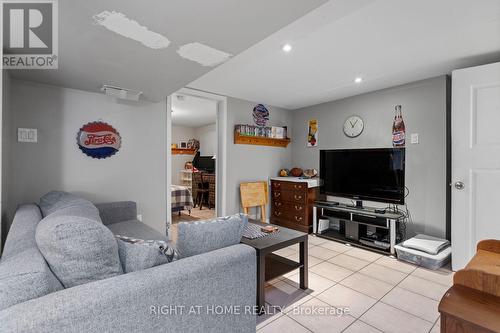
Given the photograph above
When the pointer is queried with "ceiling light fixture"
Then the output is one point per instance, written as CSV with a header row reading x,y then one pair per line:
x,y
358,80
287,48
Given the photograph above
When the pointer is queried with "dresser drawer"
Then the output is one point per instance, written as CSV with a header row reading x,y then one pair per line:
x,y
288,224
290,216
297,208
288,196
288,186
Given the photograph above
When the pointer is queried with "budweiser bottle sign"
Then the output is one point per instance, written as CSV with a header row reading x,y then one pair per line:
x,y
398,129
98,140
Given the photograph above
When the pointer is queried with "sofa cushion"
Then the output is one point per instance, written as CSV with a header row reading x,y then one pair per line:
x,y
135,229
138,254
25,276
118,211
82,209
199,237
78,249
57,200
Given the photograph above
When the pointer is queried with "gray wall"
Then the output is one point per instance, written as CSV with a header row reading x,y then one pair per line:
x,y
424,112
208,139
6,142
56,162
136,172
252,163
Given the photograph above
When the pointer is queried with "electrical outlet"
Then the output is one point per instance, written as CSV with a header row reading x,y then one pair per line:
x,y
414,138
139,217
27,135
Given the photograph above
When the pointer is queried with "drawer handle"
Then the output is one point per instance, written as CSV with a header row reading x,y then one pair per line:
x,y
278,204
277,194
298,207
298,187
298,218
277,213
297,197
277,184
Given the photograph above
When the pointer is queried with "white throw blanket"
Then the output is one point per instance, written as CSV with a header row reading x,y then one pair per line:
x,y
428,244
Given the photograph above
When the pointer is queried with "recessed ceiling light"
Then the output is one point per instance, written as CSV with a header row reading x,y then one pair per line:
x,y
358,80
287,48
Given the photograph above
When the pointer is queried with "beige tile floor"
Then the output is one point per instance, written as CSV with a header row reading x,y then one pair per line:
x,y
354,290
195,215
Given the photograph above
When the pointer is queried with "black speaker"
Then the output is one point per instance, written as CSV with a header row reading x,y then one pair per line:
x,y
352,230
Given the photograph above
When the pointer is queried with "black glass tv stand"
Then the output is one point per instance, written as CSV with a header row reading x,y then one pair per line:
x,y
365,227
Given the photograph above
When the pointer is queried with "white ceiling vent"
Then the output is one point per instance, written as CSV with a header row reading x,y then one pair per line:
x,y
121,93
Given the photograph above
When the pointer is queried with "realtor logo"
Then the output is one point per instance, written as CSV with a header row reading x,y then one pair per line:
x,y
30,34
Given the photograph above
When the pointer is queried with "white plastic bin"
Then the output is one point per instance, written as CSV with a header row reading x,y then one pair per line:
x,y
424,259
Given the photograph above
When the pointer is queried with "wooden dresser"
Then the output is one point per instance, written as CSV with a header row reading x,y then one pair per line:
x,y
292,203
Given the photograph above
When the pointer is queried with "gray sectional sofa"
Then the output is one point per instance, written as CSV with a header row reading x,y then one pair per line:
x,y
209,292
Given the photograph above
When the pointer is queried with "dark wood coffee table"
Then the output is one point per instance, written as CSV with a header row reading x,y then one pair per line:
x,y
270,265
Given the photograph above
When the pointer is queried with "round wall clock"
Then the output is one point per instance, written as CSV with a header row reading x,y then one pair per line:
x,y
353,126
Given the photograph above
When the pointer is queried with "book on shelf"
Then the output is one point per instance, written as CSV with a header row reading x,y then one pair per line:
x,y
275,132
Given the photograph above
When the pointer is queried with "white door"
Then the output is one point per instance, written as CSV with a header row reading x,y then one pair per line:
x,y
475,160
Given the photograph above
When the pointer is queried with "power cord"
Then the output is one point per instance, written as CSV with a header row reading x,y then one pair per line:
x,y
405,216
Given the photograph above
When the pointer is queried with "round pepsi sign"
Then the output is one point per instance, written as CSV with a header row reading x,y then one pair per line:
x,y
98,140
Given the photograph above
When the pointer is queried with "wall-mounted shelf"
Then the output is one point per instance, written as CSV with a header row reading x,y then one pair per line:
x,y
260,141
183,151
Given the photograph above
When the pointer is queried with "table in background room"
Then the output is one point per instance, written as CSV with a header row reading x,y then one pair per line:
x,y
181,199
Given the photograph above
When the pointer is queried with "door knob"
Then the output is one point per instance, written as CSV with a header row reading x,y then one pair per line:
x,y
459,185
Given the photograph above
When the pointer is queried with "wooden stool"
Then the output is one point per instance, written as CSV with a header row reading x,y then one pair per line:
x,y
254,194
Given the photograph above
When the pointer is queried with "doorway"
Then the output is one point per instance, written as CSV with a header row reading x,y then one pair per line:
x,y
196,133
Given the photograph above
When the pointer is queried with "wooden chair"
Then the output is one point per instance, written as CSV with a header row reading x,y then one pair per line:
x,y
209,183
254,194
199,191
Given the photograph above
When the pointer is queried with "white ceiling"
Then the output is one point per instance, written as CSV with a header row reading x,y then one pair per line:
x,y
191,111
386,42
146,45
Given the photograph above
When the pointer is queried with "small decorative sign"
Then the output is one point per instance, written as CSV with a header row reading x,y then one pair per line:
x,y
260,115
312,133
398,129
98,140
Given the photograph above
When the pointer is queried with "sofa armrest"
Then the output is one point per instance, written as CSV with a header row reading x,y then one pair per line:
x,y
184,296
114,212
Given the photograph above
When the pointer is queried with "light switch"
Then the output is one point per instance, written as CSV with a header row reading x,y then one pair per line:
x,y
414,138
27,135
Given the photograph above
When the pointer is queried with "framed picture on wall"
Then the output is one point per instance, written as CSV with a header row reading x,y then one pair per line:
x,y
183,144
312,133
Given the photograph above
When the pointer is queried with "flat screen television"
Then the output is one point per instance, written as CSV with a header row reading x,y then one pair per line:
x,y
364,174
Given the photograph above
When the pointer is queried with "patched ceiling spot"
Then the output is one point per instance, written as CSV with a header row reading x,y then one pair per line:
x,y
120,24
203,54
